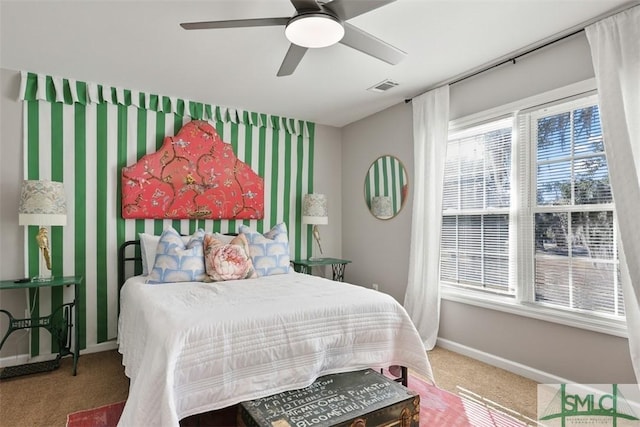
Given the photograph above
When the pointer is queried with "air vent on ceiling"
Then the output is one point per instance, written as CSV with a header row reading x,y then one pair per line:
x,y
383,86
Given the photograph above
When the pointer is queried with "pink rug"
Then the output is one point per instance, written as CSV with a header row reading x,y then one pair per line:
x,y
437,408
441,408
103,416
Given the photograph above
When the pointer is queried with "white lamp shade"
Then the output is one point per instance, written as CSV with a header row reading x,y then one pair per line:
x,y
381,207
314,30
314,209
42,203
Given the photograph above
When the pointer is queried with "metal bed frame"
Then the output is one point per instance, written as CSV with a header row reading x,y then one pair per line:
x,y
123,259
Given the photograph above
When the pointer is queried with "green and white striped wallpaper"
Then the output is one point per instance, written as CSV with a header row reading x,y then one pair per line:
x,y
82,134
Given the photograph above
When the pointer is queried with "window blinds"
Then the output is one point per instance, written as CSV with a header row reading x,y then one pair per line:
x,y
476,199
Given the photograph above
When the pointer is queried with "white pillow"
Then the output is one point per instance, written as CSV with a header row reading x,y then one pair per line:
x,y
149,246
148,243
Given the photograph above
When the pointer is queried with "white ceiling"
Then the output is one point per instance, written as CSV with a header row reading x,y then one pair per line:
x,y
139,45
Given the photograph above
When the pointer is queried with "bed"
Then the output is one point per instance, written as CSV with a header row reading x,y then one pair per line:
x,y
193,347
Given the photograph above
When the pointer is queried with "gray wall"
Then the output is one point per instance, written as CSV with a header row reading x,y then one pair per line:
x,y
10,174
327,179
12,252
380,249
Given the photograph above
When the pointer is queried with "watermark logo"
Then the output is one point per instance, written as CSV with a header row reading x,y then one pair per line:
x,y
616,405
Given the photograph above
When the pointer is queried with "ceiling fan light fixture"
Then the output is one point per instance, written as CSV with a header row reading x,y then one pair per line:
x,y
314,30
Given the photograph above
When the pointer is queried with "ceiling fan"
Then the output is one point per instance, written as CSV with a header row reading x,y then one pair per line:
x,y
318,24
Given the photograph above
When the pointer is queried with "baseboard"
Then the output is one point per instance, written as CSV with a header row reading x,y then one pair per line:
x,y
499,362
18,359
21,359
103,346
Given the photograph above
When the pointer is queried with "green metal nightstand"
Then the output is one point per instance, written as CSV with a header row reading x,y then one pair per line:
x,y
337,265
58,323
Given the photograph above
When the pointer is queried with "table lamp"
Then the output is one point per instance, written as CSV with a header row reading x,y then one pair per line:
x,y
314,212
381,207
42,203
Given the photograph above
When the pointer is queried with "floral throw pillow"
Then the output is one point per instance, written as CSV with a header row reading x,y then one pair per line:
x,y
176,261
227,261
269,251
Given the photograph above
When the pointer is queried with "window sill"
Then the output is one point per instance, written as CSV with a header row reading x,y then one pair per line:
x,y
509,305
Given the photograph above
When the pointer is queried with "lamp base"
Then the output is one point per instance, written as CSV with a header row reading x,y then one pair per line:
x,y
44,266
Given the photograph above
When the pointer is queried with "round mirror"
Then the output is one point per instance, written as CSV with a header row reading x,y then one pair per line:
x,y
386,187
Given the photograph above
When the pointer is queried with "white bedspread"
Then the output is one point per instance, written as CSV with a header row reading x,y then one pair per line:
x,y
194,347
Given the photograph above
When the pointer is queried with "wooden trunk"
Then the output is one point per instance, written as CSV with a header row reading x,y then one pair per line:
x,y
353,399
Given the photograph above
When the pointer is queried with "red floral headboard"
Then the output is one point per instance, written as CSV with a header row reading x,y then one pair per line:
x,y
194,175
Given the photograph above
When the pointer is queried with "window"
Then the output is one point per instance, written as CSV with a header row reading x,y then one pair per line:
x,y
576,258
528,215
475,223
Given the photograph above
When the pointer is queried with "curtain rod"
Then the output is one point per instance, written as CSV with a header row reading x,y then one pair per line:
x,y
526,51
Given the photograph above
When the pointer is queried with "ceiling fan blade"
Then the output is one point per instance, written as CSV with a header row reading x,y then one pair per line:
x,y
347,9
235,23
291,60
305,5
360,40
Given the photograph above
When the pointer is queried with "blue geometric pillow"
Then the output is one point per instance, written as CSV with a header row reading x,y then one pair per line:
x,y
269,252
176,261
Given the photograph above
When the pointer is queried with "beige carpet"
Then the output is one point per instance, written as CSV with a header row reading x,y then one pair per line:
x,y
460,375
46,399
